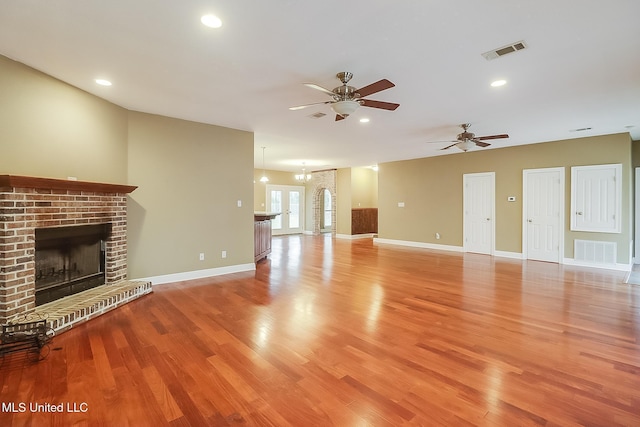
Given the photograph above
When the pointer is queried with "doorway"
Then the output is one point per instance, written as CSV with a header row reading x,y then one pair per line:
x,y
289,201
543,214
479,212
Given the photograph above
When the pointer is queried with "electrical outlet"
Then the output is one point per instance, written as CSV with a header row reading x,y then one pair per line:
x,y
201,256
239,203
224,254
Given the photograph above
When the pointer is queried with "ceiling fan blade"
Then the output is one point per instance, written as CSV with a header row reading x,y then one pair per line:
x,y
452,145
300,107
320,88
482,138
480,143
378,86
379,104
339,117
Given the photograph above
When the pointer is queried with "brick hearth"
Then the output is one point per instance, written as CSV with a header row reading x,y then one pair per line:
x,y
28,203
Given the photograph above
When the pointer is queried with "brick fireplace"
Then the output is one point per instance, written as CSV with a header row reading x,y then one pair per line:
x,y
28,204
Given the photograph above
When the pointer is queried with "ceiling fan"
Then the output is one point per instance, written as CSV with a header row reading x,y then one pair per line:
x,y
467,140
347,99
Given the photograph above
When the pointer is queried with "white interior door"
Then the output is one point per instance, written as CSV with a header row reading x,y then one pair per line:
x,y
479,212
289,201
543,213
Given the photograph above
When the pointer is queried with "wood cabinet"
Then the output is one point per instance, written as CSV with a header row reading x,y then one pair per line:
x,y
364,220
262,234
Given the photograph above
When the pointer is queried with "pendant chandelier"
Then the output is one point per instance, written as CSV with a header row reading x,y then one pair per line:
x,y
304,176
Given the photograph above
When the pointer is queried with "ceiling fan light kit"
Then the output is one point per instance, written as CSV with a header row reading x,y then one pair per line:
x,y
466,145
345,108
347,99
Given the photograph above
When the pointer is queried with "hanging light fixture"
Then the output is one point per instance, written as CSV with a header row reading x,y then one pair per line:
x,y
466,145
304,176
264,173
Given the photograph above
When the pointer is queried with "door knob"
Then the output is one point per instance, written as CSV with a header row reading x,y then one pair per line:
x,y
529,220
578,213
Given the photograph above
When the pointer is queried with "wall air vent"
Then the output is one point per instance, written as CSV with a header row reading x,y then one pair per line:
x,y
504,50
602,253
317,115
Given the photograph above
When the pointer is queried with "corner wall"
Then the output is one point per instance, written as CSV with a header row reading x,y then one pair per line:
x,y
190,177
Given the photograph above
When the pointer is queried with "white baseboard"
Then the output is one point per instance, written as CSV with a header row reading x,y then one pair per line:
x,y
199,274
617,266
418,244
512,255
355,236
502,254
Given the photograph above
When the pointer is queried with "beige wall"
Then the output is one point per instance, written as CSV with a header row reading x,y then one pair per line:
x,y
343,201
190,177
431,189
364,188
53,130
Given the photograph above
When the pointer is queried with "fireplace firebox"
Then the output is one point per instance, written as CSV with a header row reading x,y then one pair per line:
x,y
69,260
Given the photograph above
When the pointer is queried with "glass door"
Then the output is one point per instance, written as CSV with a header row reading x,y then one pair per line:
x,y
289,201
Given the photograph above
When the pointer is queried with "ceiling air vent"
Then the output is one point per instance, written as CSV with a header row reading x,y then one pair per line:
x,y
504,50
317,115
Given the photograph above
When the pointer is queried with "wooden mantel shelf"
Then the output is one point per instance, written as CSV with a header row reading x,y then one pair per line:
x,y
15,181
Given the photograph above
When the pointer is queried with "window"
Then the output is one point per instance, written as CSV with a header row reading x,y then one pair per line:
x,y
327,209
276,206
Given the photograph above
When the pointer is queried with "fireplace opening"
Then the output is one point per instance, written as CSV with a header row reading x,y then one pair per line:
x,y
69,260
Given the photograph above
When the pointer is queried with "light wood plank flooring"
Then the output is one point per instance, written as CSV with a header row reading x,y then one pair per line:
x,y
339,333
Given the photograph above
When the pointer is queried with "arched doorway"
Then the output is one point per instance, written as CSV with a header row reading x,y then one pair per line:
x,y
324,211
324,180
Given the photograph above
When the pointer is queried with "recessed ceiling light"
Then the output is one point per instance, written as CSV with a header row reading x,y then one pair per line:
x,y
498,83
103,82
211,21
364,120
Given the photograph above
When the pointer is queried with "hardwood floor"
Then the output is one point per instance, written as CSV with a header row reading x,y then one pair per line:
x,y
348,333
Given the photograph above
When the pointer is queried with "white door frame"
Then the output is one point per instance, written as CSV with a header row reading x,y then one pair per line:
x,y
525,207
492,217
637,218
283,215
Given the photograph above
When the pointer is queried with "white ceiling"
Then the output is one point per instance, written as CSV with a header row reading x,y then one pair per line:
x,y
581,68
